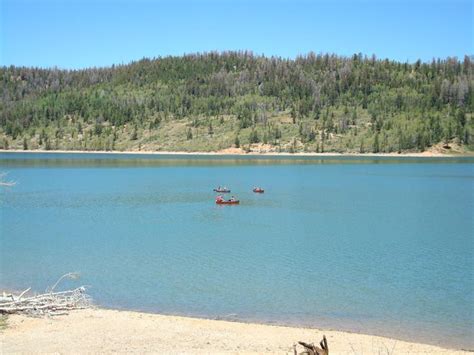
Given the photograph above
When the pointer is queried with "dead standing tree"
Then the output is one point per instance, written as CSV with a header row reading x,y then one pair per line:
x,y
311,349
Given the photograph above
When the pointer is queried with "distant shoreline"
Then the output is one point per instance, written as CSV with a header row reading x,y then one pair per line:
x,y
111,331
236,152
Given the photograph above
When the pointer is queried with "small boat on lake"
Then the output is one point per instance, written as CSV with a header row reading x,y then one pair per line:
x,y
258,190
222,190
220,201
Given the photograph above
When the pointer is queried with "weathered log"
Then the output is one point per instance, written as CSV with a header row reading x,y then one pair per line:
x,y
311,349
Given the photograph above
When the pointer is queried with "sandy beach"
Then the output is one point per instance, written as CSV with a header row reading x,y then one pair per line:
x,y
111,331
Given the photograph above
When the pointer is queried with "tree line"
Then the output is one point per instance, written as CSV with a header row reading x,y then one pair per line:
x,y
375,104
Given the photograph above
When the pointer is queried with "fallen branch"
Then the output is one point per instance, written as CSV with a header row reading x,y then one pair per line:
x,y
50,303
311,349
21,294
69,275
6,183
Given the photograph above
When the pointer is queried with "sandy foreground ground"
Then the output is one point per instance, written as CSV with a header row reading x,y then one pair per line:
x,y
111,331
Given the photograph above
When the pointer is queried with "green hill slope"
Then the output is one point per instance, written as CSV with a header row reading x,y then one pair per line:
x,y
214,101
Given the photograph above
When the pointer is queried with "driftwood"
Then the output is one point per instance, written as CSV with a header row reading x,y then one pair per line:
x,y
311,349
6,183
49,303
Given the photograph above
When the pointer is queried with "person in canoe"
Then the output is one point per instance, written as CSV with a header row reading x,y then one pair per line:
x,y
232,201
222,189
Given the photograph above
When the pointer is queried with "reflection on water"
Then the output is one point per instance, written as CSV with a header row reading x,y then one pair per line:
x,y
157,160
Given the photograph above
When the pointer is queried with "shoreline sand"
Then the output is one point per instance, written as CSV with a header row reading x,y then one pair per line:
x,y
109,331
239,152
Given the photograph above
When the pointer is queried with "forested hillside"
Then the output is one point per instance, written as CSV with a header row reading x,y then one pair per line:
x,y
214,101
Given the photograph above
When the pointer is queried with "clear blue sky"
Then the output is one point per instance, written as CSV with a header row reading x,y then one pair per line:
x,y
77,34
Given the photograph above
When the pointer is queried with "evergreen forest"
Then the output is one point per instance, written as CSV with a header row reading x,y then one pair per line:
x,y
215,101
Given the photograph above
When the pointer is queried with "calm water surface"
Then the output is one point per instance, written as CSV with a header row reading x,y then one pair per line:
x,y
383,246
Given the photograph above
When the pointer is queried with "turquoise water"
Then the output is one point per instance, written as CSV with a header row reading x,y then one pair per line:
x,y
382,246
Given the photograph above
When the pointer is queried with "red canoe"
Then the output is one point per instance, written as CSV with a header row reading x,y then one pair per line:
x,y
220,201
223,202
259,190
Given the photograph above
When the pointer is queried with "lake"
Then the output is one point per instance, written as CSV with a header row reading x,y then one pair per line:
x,y
376,245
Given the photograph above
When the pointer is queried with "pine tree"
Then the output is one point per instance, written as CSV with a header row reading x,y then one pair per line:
x,y
134,136
253,138
376,147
